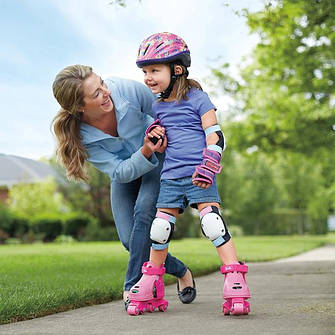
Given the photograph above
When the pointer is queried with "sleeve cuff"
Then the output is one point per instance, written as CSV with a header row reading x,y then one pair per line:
x,y
146,163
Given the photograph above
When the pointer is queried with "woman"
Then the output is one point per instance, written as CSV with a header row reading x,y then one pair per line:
x,y
104,123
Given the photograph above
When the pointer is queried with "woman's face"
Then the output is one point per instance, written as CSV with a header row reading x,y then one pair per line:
x,y
97,99
157,77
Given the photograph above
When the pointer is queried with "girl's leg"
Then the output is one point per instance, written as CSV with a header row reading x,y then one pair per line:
x,y
235,289
159,256
227,251
148,293
145,212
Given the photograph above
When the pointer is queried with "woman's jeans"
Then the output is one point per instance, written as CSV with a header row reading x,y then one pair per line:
x,y
134,208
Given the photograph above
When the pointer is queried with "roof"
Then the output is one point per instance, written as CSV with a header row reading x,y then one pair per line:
x,y
15,169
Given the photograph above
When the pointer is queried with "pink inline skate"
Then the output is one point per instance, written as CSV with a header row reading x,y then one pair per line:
x,y
235,289
148,293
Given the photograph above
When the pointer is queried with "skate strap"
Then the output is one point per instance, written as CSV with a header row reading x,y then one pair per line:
x,y
166,216
234,267
149,269
205,211
211,165
204,175
211,154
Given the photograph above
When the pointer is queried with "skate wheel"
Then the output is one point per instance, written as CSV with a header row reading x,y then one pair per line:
x,y
237,309
225,310
162,308
133,310
150,308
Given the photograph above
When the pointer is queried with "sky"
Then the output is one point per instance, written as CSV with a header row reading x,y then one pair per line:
x,y
40,37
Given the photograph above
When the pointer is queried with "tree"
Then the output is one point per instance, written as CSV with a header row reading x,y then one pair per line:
x,y
248,190
287,89
32,199
92,198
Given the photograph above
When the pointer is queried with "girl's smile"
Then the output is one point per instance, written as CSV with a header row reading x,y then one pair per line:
x,y
157,77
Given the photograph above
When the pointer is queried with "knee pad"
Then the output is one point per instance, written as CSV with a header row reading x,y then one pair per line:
x,y
161,230
213,226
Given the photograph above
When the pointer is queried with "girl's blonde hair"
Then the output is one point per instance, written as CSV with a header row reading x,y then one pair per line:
x,y
183,85
67,89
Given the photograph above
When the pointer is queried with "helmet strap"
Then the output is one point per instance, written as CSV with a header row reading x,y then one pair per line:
x,y
165,94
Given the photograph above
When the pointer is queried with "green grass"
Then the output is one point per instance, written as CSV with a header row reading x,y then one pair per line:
x,y
41,279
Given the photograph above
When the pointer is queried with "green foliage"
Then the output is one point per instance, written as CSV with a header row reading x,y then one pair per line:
x,y
6,220
95,233
32,199
74,224
248,190
187,225
288,92
48,226
92,198
12,224
64,239
236,231
283,115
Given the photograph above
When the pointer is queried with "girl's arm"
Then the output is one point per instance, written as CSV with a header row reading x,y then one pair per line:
x,y
208,120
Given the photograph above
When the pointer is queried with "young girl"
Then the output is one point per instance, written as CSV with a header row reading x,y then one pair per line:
x,y
192,158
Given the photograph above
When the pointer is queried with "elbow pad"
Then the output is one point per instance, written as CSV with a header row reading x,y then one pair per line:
x,y
220,145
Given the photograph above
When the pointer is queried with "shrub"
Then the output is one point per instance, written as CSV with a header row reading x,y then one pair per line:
x,y
13,240
235,230
64,239
6,219
48,225
20,226
75,224
96,233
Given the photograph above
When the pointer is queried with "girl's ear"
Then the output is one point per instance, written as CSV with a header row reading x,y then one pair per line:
x,y
178,69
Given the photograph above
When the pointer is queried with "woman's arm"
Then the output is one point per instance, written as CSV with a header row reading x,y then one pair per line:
x,y
120,170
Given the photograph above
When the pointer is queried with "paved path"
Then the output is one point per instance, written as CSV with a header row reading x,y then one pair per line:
x,y
291,296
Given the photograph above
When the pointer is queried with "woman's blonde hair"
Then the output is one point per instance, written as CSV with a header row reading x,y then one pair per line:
x,y
67,89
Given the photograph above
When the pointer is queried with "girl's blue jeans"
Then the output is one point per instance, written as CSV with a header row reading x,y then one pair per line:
x,y
134,208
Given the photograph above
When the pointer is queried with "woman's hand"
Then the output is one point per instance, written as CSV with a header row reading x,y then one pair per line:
x,y
156,133
162,146
149,147
159,133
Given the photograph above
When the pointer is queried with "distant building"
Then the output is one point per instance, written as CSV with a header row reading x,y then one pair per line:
x,y
15,170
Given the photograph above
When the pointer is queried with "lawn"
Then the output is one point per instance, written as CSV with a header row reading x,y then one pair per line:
x,y
41,279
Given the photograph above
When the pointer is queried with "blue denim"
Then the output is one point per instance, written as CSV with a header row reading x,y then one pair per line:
x,y
178,193
133,206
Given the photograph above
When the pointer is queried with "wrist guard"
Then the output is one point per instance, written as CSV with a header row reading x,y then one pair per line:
x,y
209,167
155,124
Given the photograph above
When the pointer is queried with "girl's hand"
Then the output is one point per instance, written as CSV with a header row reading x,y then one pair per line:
x,y
200,184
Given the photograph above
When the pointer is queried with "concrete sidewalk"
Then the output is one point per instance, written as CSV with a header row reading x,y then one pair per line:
x,y
291,296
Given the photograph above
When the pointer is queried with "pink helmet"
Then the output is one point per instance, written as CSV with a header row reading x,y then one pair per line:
x,y
163,48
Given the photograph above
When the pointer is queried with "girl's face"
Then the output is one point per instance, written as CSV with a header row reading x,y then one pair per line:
x,y
97,99
157,77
